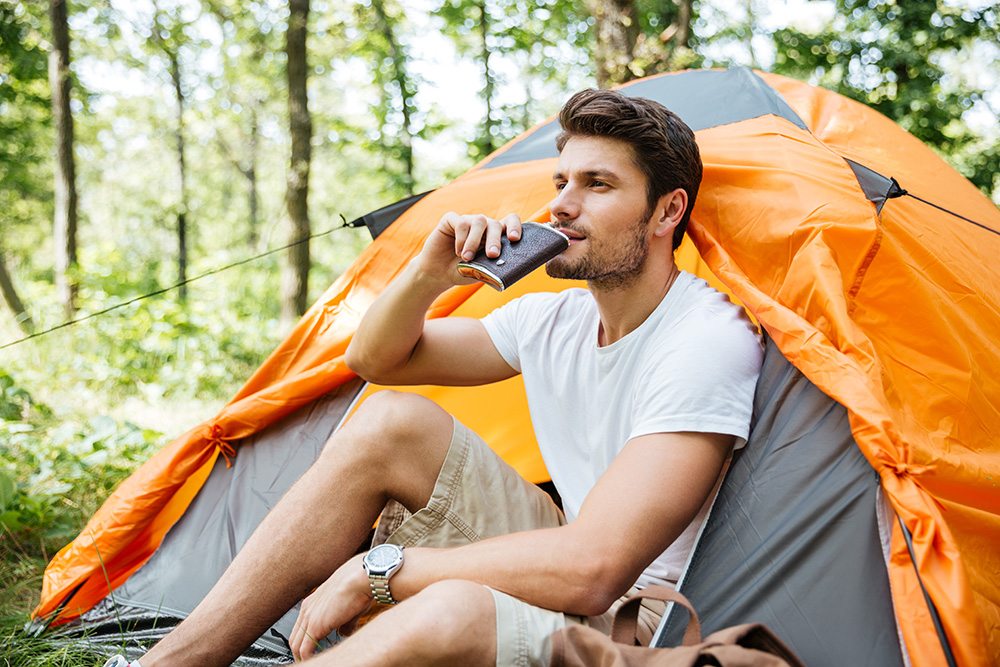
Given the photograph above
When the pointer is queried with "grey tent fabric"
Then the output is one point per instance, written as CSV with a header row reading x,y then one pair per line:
x,y
702,99
792,540
877,188
204,541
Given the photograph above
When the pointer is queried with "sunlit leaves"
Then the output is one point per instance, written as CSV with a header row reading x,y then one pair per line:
x,y
25,126
905,59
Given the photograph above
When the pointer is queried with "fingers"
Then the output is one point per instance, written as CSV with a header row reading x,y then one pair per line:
x,y
512,222
305,637
475,231
333,605
301,642
472,232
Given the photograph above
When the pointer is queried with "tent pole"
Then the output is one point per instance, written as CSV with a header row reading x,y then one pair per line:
x,y
942,637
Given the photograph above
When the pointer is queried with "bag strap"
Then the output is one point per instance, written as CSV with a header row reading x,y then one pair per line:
x,y
627,616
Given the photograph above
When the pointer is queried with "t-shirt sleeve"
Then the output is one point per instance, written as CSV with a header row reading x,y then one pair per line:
x,y
523,323
719,366
501,325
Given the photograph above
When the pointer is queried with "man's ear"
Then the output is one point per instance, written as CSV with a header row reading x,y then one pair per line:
x,y
669,211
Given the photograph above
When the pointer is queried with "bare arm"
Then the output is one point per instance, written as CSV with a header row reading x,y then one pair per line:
x,y
643,502
395,345
640,505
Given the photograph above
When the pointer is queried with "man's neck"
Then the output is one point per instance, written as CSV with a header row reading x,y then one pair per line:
x,y
623,309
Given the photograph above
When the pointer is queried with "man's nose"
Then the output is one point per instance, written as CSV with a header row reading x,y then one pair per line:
x,y
565,205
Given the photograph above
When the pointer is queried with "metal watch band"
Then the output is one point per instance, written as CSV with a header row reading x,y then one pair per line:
x,y
380,589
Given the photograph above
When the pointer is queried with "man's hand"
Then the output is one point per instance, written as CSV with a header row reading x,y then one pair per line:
x,y
335,605
460,237
394,344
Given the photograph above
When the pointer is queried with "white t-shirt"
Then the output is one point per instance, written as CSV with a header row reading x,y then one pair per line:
x,y
692,365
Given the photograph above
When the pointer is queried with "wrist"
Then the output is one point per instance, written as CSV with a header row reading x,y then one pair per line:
x,y
427,281
358,582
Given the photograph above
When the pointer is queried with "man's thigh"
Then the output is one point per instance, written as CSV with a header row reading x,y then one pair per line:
x,y
476,495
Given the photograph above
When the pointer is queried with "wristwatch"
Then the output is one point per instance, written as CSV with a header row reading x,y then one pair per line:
x,y
381,563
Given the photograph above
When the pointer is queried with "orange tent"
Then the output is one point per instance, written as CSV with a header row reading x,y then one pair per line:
x,y
862,254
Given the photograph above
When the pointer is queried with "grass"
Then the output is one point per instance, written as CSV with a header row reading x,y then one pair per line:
x,y
83,407
54,474
20,583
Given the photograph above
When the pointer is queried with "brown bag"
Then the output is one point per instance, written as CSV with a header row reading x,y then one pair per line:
x,y
749,645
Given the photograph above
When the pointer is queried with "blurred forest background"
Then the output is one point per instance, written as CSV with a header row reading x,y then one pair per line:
x,y
145,143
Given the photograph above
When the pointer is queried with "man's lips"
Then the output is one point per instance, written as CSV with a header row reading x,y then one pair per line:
x,y
572,234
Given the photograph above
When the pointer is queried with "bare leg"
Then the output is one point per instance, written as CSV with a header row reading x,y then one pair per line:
x,y
448,623
393,447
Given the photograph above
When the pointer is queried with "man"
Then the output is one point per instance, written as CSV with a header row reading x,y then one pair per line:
x,y
639,388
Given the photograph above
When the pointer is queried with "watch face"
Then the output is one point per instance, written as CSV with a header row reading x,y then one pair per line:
x,y
383,557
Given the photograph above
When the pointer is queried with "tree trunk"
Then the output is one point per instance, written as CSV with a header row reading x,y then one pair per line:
x,y
248,169
683,36
617,29
251,175
65,169
399,76
295,271
13,301
182,252
488,84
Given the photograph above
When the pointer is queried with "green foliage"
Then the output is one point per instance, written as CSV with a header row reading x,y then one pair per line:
x,y
548,40
155,347
54,474
14,402
658,49
904,60
395,110
20,581
25,120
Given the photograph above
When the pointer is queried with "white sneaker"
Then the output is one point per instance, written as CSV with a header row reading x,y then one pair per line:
x,y
119,661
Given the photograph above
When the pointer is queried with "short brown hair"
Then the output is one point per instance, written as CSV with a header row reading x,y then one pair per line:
x,y
663,146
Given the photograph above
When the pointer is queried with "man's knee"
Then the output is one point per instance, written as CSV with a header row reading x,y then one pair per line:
x,y
401,414
388,419
455,620
457,599
399,440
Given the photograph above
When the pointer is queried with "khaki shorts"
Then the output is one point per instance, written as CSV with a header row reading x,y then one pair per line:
x,y
476,496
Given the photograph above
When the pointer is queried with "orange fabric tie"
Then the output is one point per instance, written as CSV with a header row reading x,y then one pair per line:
x,y
225,448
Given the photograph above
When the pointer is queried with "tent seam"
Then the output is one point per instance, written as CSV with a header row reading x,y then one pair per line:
x,y
862,270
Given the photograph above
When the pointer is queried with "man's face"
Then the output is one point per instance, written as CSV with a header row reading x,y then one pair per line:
x,y
602,207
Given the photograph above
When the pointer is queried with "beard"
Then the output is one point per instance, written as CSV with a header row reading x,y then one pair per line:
x,y
608,265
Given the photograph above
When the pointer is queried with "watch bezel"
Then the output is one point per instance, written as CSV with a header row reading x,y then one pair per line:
x,y
385,571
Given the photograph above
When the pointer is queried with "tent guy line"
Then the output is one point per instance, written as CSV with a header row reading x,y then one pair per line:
x,y
177,285
942,208
359,222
